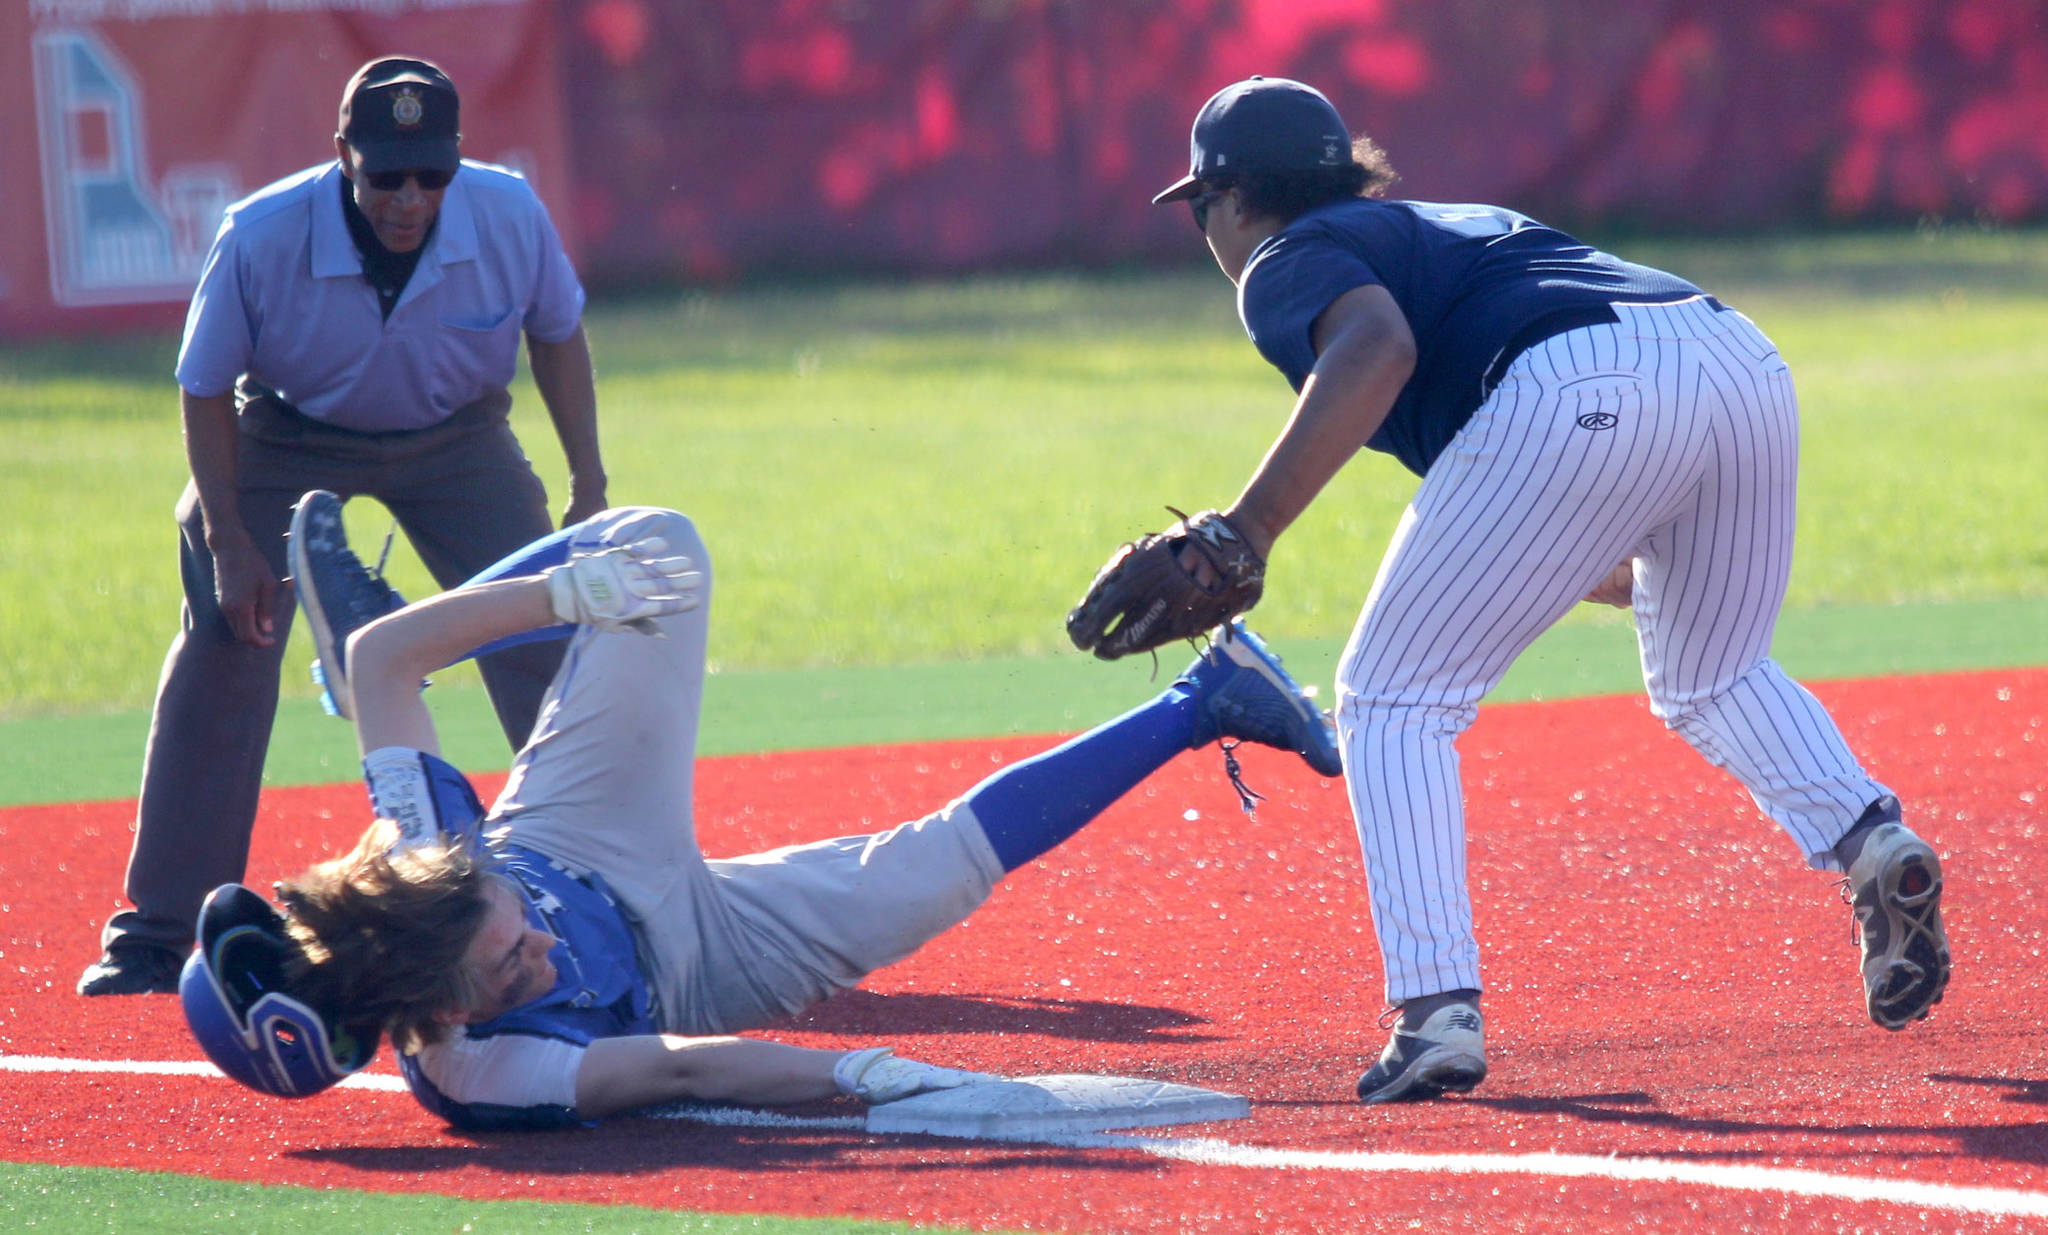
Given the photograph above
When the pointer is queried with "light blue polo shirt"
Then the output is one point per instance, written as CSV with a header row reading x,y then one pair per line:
x,y
282,298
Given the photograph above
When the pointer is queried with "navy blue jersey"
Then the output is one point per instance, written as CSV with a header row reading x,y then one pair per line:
x,y
1476,283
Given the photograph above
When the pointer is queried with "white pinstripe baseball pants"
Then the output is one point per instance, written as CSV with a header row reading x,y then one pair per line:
x,y
1671,436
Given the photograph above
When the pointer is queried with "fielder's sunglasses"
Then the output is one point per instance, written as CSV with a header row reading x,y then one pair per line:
x,y
429,179
1199,204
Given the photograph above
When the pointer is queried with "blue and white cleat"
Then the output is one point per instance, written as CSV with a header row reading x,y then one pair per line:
x,y
1242,692
339,594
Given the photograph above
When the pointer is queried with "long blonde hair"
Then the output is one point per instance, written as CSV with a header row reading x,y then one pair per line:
x,y
384,935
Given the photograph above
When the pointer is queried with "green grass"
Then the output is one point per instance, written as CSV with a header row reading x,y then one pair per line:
x,y
85,1200
898,475
94,756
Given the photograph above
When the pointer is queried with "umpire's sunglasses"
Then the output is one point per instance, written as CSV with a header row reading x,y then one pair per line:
x,y
1199,204
429,178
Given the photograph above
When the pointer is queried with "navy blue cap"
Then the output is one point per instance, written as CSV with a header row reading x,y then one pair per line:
x,y
399,114
1260,125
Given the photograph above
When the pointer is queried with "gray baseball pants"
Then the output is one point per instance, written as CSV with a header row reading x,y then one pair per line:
x,y
608,785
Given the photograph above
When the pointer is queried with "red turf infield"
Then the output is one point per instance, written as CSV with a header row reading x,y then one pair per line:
x,y
1667,981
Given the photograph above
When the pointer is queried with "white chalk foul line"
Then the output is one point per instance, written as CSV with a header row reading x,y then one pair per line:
x,y
167,1067
2003,1202
2006,1202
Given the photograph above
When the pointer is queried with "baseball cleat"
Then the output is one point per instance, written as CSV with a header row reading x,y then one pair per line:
x,y
132,969
1446,1054
339,594
1242,692
1895,888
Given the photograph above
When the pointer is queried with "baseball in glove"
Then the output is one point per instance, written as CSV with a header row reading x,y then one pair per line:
x,y
1144,598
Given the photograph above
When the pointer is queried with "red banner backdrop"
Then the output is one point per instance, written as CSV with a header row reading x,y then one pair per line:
x,y
723,136
132,124
714,138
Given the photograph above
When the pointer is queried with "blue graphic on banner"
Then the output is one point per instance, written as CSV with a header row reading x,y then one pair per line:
x,y
113,237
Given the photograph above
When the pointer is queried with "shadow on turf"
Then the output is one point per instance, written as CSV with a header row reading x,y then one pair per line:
x,y
2026,1144
639,1146
2031,1093
868,1014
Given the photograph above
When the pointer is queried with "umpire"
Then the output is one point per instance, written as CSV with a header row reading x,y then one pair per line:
x,y
355,329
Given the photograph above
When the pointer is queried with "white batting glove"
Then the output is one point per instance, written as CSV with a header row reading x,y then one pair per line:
x,y
624,587
876,1076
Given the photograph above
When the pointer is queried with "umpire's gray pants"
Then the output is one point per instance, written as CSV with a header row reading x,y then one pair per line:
x,y
466,496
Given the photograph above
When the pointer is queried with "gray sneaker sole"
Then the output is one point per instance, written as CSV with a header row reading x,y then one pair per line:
x,y
1432,1074
1905,977
1438,1070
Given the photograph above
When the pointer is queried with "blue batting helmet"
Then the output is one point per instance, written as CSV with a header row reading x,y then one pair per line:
x,y
235,1002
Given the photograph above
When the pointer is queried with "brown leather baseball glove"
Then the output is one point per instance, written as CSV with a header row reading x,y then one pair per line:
x,y
1145,598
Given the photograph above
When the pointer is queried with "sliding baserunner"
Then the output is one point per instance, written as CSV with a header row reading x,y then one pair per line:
x,y
572,953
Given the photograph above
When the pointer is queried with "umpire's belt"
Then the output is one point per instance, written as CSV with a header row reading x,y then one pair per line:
x,y
248,390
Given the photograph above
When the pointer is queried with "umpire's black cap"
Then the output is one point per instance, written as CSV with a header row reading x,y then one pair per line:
x,y
1259,125
399,114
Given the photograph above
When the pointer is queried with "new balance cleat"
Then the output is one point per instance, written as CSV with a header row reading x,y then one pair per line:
x,y
1243,693
339,594
1445,1054
1895,888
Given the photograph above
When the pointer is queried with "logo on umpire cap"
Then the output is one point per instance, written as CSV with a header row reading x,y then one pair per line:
x,y
406,108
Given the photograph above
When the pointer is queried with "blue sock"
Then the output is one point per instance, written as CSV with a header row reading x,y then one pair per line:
x,y
1029,807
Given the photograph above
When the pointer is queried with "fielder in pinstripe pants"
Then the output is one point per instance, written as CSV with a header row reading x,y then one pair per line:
x,y
1585,429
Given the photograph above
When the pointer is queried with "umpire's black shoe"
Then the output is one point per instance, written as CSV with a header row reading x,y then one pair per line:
x,y
132,969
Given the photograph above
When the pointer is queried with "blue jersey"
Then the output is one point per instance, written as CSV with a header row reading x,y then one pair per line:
x,y
518,1070
598,993
1478,284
